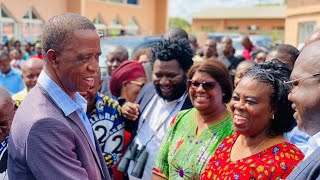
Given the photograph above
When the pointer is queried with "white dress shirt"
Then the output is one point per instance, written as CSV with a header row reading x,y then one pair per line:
x,y
161,110
314,143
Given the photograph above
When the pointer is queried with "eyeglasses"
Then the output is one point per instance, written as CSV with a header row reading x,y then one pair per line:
x,y
205,85
137,83
295,83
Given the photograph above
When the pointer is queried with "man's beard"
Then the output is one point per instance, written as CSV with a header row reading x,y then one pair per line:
x,y
177,92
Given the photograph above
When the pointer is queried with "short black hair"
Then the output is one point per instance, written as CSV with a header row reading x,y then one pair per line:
x,y
178,49
286,49
4,53
275,73
58,32
178,33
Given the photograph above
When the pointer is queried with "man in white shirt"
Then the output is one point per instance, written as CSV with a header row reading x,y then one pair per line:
x,y
305,80
159,101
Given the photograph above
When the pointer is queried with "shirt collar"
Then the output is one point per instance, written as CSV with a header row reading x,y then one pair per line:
x,y
314,140
8,74
60,98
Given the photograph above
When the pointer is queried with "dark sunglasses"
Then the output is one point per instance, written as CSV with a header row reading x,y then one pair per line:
x,y
205,85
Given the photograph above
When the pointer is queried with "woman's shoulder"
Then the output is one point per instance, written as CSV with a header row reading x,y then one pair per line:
x,y
227,143
287,147
182,116
285,151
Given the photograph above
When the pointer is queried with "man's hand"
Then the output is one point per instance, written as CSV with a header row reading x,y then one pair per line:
x,y
130,111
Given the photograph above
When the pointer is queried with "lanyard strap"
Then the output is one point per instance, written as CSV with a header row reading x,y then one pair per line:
x,y
161,124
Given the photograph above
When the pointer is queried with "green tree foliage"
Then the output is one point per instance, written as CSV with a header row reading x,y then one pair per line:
x,y
179,23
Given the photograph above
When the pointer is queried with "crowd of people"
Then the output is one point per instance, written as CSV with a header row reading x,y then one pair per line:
x,y
175,111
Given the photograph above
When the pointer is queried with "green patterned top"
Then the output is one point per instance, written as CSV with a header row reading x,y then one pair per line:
x,y
183,154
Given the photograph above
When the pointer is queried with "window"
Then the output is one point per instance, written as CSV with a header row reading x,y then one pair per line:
x,y
206,28
305,29
115,28
31,26
281,28
7,26
253,28
132,2
100,25
132,27
232,28
117,1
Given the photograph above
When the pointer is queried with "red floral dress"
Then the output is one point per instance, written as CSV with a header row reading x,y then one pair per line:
x,y
276,162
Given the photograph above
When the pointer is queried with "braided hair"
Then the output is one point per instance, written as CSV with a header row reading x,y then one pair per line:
x,y
275,73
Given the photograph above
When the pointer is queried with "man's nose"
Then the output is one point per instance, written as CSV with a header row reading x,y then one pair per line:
x,y
164,80
290,96
93,66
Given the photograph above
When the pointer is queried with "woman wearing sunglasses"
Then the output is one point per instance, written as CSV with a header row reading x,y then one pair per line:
x,y
194,134
261,115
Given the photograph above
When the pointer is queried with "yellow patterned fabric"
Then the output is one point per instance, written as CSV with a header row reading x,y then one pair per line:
x,y
18,97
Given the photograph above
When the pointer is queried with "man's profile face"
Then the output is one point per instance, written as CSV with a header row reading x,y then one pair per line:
x,y
283,57
226,45
210,48
6,116
169,79
114,59
78,64
305,93
246,43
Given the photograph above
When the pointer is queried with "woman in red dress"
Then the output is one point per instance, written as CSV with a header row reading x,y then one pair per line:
x,y
261,115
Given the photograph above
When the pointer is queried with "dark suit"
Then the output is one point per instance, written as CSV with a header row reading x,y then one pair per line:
x,y
308,169
143,99
46,144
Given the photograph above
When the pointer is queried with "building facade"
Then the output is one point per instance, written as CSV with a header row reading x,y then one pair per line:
x,y
267,20
24,20
303,18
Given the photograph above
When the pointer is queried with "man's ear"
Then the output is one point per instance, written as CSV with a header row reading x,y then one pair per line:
x,y
52,57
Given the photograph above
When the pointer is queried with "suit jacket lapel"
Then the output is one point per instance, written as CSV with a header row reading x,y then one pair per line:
x,y
187,104
305,166
147,98
75,118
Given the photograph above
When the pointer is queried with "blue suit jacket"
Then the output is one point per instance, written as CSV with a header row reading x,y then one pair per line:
x,y
308,169
45,144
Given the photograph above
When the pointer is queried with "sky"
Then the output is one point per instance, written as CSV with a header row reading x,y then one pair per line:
x,y
185,8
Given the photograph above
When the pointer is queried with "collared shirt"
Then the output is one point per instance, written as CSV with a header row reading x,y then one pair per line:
x,y
156,112
65,103
314,143
299,139
12,81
